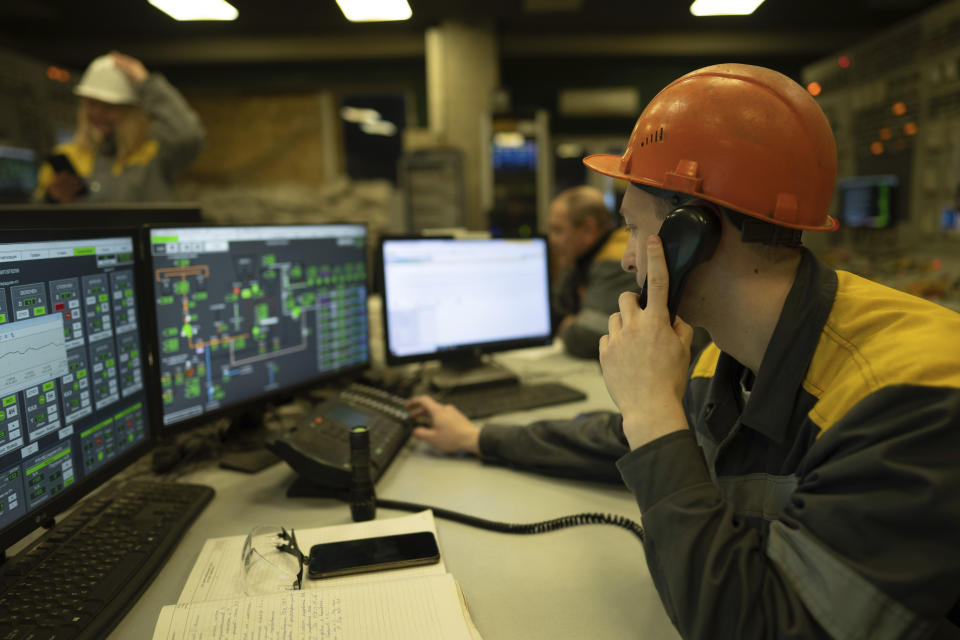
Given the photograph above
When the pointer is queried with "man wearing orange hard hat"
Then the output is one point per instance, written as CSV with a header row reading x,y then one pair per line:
x,y
798,478
793,481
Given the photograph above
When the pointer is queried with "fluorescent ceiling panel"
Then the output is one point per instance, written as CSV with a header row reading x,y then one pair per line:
x,y
196,9
375,10
724,7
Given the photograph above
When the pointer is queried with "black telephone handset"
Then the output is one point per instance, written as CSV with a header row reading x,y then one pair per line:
x,y
690,235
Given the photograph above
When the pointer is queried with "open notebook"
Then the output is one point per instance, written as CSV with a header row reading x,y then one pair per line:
x,y
416,602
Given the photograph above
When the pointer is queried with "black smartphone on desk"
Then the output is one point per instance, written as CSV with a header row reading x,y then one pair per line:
x,y
331,559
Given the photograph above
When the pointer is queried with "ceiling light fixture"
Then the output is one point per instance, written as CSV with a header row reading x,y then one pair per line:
x,y
724,7
359,115
379,128
375,10
196,9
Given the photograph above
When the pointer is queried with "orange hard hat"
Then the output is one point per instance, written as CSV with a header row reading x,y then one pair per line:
x,y
744,137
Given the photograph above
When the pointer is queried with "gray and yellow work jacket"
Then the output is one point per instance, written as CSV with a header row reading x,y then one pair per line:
x,y
590,291
148,174
822,500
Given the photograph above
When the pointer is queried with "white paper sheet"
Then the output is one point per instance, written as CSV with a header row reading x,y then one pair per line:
x,y
218,571
417,608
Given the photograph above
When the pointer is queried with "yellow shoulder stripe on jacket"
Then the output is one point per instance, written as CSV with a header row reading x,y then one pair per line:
x,y
143,155
614,247
82,159
876,337
707,362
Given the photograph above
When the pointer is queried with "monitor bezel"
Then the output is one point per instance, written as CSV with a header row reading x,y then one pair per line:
x,y
464,351
260,403
56,505
100,215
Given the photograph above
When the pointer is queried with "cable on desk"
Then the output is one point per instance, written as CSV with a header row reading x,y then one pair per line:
x,y
533,527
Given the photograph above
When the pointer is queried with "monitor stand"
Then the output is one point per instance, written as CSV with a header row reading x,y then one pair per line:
x,y
470,370
244,444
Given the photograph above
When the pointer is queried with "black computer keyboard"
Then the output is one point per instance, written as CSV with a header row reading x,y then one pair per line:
x,y
79,578
488,401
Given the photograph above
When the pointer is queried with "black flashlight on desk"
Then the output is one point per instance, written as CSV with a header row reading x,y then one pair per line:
x,y
362,500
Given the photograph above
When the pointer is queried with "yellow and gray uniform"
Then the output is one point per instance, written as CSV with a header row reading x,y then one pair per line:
x,y
822,500
148,174
590,291
826,504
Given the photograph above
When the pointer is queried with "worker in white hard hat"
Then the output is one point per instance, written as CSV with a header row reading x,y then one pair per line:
x,y
135,134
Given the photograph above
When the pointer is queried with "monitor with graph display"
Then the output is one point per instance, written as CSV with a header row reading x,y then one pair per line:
x,y
73,404
246,313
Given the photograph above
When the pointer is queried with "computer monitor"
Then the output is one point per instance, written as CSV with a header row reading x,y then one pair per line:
x,y
868,202
246,315
73,404
457,299
18,173
126,215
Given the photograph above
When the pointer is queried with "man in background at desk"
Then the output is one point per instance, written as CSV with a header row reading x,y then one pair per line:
x,y
586,249
798,478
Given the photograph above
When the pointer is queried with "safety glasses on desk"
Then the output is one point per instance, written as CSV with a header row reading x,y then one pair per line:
x,y
272,561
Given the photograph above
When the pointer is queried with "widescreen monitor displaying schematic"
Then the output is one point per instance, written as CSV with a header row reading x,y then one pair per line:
x,y
246,313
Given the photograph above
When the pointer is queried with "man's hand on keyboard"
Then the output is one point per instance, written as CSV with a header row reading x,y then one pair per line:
x,y
449,430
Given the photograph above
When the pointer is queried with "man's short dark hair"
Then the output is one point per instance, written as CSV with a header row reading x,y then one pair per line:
x,y
586,202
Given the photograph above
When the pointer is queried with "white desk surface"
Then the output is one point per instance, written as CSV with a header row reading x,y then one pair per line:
x,y
582,582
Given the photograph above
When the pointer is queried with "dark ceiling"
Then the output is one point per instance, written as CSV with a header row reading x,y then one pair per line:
x,y
69,32
35,24
53,18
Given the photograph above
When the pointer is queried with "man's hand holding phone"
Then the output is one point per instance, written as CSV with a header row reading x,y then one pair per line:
x,y
645,360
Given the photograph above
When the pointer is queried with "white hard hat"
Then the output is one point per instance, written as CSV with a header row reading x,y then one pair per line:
x,y
105,82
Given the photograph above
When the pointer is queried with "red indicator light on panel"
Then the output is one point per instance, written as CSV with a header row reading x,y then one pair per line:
x,y
898,108
59,306
910,129
814,88
844,62
876,148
